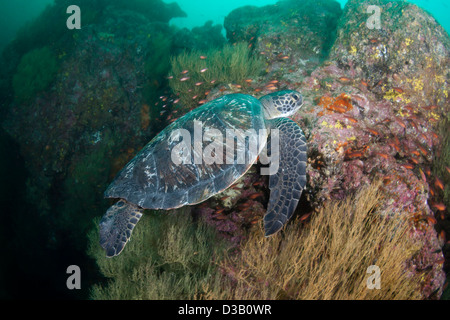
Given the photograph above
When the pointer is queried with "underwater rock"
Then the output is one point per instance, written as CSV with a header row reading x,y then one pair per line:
x,y
290,34
233,212
372,111
154,10
201,38
79,132
407,56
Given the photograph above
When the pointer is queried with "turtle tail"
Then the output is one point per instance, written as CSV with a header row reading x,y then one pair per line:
x,y
117,225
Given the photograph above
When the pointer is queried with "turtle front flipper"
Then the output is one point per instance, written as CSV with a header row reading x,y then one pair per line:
x,y
286,185
116,226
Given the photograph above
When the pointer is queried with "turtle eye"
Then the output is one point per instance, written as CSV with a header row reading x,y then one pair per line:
x,y
295,96
120,203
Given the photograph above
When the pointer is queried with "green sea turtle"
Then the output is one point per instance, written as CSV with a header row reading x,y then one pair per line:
x,y
154,180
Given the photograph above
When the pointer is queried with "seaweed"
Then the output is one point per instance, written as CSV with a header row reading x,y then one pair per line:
x,y
195,73
328,258
169,257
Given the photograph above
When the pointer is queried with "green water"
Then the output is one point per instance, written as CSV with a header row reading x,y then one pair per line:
x,y
19,12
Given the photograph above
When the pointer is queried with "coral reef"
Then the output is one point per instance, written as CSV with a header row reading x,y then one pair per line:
x,y
328,258
376,106
385,124
371,116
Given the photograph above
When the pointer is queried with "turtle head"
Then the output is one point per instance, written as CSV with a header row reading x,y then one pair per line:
x,y
281,104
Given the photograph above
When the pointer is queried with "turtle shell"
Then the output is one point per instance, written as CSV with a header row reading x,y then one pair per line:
x,y
152,180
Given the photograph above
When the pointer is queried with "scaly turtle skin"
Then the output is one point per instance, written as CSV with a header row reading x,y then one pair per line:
x,y
173,170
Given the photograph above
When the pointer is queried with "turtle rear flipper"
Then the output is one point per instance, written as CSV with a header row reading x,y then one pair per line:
x,y
117,225
287,184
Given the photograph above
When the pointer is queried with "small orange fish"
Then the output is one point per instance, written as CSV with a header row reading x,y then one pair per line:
x,y
423,150
203,70
351,155
249,80
203,57
398,90
194,97
438,183
442,235
416,161
213,81
351,119
258,183
176,101
345,80
305,216
364,83
424,137
202,101
373,40
439,206
284,57
448,169
387,180
407,166
198,83
375,133
220,217
244,206
184,79
416,153
422,175
432,192
431,220
383,155
271,88
395,146
256,195
273,81
400,122
184,71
